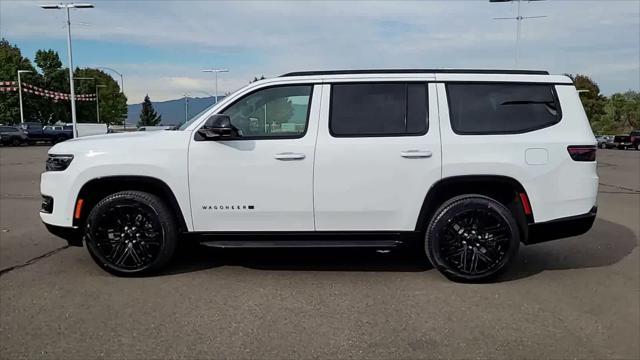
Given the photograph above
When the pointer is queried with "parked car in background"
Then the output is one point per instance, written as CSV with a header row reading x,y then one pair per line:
x,y
622,142
12,135
635,139
58,133
36,132
604,141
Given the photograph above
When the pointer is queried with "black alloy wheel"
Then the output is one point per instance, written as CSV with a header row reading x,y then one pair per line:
x,y
472,238
131,233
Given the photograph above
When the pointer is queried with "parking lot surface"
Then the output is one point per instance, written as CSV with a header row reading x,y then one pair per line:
x,y
570,298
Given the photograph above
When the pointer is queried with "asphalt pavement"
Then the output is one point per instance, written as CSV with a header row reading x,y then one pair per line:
x,y
570,298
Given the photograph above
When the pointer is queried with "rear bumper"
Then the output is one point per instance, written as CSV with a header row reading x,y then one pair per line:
x,y
561,228
73,235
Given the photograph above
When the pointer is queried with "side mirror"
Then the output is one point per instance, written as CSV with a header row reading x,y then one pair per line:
x,y
218,127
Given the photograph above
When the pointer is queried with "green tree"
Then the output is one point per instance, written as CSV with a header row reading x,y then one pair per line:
x,y
592,100
49,62
113,104
11,60
54,77
622,113
148,116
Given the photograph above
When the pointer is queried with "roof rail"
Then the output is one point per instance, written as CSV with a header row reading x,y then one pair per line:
x,y
416,71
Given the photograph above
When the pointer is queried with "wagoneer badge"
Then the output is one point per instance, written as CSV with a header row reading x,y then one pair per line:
x,y
227,207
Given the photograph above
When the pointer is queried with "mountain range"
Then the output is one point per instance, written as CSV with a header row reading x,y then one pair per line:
x,y
172,111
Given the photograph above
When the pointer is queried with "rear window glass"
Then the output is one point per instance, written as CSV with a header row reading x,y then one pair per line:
x,y
378,109
501,108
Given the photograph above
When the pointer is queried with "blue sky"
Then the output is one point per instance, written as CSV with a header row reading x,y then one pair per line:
x,y
161,46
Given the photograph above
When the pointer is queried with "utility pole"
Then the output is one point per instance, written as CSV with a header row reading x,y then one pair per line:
x,y
20,94
186,107
216,71
69,6
98,101
518,19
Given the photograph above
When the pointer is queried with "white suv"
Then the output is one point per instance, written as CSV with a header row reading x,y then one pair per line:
x,y
468,162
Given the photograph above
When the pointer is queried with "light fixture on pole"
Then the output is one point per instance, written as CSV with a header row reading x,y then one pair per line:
x,y
98,101
20,93
68,6
186,107
115,71
518,19
216,71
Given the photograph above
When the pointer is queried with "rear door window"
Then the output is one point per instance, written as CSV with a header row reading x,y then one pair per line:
x,y
378,109
501,108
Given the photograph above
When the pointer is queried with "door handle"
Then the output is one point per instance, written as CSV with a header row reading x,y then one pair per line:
x,y
285,156
415,154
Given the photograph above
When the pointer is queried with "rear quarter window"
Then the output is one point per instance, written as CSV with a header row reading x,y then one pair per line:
x,y
501,108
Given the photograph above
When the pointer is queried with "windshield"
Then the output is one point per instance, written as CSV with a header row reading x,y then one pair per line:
x,y
193,118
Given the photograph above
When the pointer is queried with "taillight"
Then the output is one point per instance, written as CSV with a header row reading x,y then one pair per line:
x,y
582,152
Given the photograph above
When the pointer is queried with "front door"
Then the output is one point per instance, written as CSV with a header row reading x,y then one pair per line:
x,y
377,155
263,179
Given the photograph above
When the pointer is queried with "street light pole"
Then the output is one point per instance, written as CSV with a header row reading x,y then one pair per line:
x,y
216,71
20,94
115,71
186,107
68,6
98,101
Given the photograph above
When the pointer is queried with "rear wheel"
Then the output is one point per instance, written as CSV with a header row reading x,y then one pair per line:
x,y
16,142
603,146
472,238
131,233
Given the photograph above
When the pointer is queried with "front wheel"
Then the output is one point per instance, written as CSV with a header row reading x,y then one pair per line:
x,y
472,238
131,233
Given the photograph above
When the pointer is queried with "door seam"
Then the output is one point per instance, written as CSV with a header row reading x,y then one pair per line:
x,y
315,149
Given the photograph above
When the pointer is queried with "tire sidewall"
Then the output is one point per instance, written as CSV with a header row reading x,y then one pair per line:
x,y
164,216
447,211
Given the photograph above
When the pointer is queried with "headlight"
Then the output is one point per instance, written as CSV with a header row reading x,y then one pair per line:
x,y
58,162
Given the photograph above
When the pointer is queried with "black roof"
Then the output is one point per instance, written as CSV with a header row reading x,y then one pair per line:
x,y
417,71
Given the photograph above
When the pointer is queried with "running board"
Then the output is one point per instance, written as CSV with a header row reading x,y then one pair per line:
x,y
302,243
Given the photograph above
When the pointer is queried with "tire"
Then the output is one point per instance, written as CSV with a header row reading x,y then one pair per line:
x,y
603,146
131,233
16,142
454,233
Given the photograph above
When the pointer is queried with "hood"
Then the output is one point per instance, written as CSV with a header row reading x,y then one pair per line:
x,y
123,142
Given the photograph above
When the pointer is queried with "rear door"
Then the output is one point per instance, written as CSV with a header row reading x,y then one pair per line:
x,y
377,155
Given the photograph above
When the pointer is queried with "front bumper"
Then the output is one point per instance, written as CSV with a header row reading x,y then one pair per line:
x,y
561,228
73,235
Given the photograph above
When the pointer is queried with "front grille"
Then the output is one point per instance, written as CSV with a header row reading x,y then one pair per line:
x,y
47,204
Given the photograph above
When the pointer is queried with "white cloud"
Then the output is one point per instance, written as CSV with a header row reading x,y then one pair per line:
x,y
593,37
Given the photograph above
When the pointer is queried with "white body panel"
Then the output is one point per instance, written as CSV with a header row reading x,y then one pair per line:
x,y
160,154
364,183
559,187
241,185
357,183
